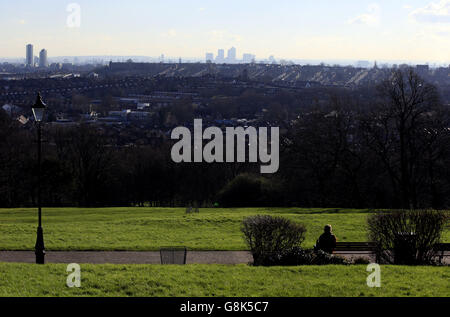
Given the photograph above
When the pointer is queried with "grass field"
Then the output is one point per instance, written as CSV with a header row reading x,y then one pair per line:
x,y
137,229
222,281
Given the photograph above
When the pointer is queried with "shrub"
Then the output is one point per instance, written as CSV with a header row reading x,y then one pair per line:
x,y
361,260
247,190
269,237
323,258
407,237
298,256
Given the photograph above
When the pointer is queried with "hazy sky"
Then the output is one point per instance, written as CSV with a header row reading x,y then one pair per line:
x,y
295,29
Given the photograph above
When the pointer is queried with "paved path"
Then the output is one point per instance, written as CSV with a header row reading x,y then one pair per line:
x,y
129,257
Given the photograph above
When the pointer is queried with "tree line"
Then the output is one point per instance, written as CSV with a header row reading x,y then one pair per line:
x,y
391,150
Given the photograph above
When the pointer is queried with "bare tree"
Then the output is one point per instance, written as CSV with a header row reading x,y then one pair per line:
x,y
90,161
406,129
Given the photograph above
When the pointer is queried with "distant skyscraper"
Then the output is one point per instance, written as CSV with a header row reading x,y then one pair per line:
x,y
231,58
30,56
209,57
220,56
43,62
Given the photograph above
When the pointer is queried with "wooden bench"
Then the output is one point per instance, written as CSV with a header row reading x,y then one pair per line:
x,y
351,247
441,248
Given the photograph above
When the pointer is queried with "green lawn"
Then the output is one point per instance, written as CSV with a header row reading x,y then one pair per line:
x,y
150,228
222,281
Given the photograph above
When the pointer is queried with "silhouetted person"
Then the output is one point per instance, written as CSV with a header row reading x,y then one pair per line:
x,y
327,241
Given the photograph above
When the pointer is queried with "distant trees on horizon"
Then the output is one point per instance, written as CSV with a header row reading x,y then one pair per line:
x,y
383,148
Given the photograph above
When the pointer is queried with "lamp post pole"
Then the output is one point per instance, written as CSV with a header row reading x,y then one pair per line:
x,y
39,248
38,110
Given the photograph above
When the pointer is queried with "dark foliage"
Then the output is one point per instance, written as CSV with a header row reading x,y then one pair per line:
x,y
295,256
323,258
389,149
298,256
361,260
247,190
363,148
407,236
269,237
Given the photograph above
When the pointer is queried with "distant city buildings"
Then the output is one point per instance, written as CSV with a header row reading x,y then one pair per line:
x,y
43,61
231,57
248,58
209,58
30,56
32,61
363,64
220,56
56,66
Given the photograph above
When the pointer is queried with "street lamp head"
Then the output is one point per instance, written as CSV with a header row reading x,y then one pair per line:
x,y
39,109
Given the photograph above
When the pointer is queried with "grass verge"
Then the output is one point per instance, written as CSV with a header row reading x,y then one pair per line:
x,y
222,281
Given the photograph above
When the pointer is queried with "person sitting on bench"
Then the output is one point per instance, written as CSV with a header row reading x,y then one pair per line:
x,y
327,241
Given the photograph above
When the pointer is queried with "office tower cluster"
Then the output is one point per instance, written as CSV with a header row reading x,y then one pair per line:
x,y
33,61
231,57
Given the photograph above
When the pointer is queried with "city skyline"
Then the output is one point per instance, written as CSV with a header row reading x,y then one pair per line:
x,y
232,57
408,30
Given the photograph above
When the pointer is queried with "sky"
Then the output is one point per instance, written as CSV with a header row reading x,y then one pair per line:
x,y
406,30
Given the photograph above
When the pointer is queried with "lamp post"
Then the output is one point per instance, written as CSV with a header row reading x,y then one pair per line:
x,y
38,112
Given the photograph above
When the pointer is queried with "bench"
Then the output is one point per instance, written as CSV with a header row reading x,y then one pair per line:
x,y
372,247
352,247
442,248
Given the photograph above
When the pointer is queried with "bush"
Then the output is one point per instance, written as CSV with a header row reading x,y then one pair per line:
x,y
323,258
269,237
407,236
361,260
247,190
298,256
